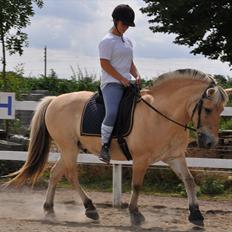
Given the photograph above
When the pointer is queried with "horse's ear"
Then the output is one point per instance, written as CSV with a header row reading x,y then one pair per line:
x,y
210,92
228,91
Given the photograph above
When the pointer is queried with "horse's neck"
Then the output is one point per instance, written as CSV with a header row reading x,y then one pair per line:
x,y
177,99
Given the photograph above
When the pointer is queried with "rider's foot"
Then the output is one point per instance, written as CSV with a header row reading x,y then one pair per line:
x,y
105,154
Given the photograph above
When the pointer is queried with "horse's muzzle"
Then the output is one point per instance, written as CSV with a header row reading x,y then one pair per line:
x,y
206,141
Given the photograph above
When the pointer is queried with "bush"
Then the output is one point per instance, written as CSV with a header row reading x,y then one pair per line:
x,y
212,186
228,184
7,166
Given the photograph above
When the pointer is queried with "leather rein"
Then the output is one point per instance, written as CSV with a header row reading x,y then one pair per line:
x,y
198,108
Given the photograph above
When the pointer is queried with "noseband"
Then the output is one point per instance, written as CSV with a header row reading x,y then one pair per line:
x,y
198,107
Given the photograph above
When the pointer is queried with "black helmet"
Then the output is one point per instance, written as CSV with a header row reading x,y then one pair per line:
x,y
125,14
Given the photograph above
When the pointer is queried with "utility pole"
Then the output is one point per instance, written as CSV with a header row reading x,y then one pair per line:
x,y
45,61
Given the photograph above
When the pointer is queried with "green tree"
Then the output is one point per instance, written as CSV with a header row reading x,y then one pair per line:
x,y
204,25
14,16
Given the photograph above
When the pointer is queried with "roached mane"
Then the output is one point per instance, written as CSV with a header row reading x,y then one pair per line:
x,y
191,74
181,74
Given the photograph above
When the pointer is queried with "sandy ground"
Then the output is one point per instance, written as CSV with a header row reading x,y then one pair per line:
x,y
22,212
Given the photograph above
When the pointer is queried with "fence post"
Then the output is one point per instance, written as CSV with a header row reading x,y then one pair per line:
x,y
117,184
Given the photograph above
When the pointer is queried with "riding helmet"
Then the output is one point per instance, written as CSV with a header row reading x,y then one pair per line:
x,y
125,14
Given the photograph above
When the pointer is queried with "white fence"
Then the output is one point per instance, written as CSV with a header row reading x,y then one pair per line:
x,y
117,165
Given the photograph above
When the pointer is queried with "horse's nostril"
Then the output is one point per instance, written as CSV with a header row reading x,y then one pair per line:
x,y
205,141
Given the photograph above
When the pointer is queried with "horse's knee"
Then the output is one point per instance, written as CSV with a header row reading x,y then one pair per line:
x,y
57,172
71,175
190,183
54,177
190,179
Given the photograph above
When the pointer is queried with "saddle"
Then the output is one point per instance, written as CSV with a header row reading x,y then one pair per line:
x,y
94,113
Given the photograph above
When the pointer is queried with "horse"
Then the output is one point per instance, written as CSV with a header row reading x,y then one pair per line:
x,y
181,97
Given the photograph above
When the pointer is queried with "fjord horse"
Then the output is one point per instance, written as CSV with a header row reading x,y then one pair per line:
x,y
182,96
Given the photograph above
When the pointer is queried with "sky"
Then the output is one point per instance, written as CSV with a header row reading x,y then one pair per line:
x,y
72,30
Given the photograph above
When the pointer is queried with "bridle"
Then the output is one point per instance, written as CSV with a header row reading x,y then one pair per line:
x,y
198,108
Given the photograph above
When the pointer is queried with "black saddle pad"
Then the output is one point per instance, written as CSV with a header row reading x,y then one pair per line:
x,y
94,113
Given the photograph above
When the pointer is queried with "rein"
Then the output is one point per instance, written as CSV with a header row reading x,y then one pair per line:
x,y
169,119
198,106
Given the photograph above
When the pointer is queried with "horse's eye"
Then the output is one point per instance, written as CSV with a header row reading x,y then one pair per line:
x,y
208,111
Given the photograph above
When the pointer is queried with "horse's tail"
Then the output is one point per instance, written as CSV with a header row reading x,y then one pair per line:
x,y
38,149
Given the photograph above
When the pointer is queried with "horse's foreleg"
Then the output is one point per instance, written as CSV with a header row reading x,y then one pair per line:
x,y
90,209
139,170
179,166
56,173
70,156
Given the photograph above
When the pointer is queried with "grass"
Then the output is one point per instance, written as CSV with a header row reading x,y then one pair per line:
x,y
149,190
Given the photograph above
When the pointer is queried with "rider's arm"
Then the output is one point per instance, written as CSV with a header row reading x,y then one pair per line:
x,y
134,72
107,67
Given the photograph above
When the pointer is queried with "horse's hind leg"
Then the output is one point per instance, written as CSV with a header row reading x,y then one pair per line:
x,y
56,173
69,156
179,166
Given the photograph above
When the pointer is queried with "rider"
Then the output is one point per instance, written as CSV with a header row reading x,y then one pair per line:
x,y
116,59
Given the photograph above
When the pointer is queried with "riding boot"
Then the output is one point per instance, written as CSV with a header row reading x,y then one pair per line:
x,y
106,132
105,153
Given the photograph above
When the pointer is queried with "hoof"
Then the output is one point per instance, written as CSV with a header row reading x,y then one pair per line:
x,y
90,210
136,218
92,214
197,223
196,217
50,216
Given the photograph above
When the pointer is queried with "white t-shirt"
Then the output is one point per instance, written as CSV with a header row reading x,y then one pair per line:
x,y
120,55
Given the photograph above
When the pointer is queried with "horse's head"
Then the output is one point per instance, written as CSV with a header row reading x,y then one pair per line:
x,y
202,97
206,115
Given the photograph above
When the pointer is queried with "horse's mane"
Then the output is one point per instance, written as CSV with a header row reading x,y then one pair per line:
x,y
190,74
183,74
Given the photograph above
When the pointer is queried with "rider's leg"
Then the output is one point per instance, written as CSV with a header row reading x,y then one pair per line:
x,y
112,95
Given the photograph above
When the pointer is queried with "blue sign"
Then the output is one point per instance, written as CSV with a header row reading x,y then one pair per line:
x,y
7,102
7,105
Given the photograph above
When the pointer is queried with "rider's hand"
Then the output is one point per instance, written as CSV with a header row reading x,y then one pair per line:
x,y
125,82
138,81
